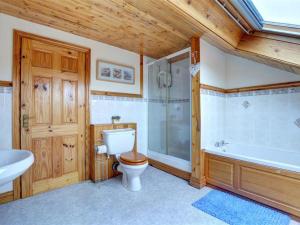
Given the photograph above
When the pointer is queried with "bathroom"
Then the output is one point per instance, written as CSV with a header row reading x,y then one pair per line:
x,y
200,120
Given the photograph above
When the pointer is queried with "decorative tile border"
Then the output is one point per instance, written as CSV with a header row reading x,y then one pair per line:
x,y
116,98
5,90
178,100
211,92
279,91
128,99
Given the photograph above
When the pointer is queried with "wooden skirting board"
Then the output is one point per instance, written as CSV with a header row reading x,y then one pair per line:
x,y
6,197
4,83
252,88
169,169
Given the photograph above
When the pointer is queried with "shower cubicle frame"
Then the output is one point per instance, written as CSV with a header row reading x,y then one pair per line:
x,y
169,160
196,165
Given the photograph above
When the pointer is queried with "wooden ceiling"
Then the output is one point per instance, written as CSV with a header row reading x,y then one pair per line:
x,y
155,28
113,22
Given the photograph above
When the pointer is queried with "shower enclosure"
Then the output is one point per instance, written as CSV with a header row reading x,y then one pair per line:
x,y
169,110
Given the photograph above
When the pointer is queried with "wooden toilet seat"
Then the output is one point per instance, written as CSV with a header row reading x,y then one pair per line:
x,y
133,158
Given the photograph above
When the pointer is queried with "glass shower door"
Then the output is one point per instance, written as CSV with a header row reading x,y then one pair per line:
x,y
157,106
178,110
169,107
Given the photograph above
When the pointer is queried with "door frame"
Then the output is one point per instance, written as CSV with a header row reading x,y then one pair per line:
x,y
16,77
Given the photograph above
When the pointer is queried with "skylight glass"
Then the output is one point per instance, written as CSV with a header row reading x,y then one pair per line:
x,y
285,12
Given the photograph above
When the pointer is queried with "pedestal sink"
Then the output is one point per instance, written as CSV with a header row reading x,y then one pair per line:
x,y
14,163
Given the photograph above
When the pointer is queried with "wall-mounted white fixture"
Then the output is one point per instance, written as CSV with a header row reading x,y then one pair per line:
x,y
14,163
194,69
115,119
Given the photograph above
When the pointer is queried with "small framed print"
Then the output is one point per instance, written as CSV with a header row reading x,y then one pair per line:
x,y
113,72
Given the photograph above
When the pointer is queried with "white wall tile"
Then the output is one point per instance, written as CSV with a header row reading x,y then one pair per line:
x,y
268,122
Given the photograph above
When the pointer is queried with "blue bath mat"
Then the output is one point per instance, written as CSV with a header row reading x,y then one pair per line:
x,y
236,210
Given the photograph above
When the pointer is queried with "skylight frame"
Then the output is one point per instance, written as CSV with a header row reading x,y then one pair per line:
x,y
251,13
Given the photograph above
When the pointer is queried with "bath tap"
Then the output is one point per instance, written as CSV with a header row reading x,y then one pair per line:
x,y
115,118
223,143
219,144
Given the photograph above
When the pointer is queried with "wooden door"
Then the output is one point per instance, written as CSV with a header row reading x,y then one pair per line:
x,y
52,114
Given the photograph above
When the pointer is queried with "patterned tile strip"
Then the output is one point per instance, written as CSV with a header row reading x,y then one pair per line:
x,y
5,90
252,93
128,99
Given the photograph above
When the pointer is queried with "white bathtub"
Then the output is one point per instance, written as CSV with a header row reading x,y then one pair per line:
x,y
276,158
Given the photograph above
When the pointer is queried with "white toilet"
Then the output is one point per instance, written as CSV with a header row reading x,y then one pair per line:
x,y
120,142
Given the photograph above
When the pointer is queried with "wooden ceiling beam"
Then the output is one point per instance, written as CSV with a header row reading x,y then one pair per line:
x,y
275,50
194,17
215,23
207,19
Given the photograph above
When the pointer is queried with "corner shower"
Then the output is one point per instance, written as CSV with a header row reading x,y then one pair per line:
x,y
169,110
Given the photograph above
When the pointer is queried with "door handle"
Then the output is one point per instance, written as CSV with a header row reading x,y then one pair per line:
x,y
25,121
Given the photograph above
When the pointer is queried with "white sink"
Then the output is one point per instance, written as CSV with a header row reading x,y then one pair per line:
x,y
14,163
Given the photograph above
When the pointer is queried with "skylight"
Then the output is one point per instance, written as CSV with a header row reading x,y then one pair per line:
x,y
281,12
276,16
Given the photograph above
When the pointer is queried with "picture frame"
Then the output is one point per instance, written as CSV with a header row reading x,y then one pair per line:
x,y
115,72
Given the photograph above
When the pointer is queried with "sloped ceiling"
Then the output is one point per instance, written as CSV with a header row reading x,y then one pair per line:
x,y
156,28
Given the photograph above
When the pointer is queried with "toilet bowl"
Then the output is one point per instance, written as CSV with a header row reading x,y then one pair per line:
x,y
120,142
132,169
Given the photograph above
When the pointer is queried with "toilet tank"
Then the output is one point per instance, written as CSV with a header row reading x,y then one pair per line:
x,y
118,141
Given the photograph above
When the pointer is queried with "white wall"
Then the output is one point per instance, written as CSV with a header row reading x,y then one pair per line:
x,y
242,73
213,72
129,109
268,122
213,65
98,51
224,70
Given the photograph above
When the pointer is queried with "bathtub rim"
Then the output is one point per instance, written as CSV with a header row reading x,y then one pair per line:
x,y
263,162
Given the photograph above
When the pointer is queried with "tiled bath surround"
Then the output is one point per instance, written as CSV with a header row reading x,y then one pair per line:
x,y
212,117
6,126
269,120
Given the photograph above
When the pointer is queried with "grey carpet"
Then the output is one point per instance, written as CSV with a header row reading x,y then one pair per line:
x,y
164,200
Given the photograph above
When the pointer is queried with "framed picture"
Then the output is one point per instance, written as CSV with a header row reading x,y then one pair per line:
x,y
113,72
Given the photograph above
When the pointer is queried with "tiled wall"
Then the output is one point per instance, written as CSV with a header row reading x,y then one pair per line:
x,y
130,110
269,118
264,118
6,124
212,117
